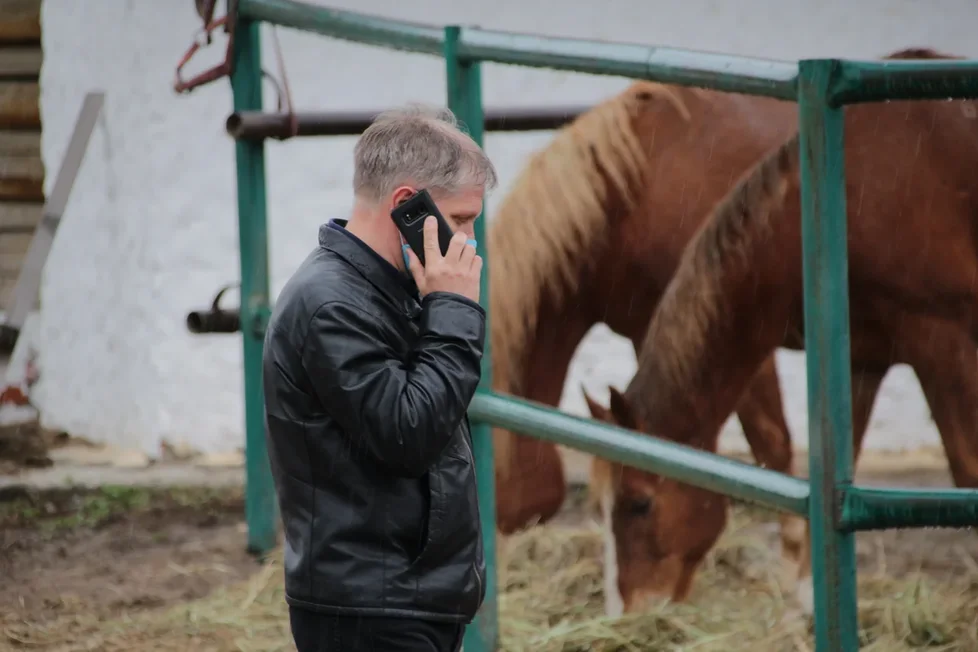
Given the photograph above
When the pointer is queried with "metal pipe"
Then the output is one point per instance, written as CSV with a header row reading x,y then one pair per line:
x,y
346,25
868,508
721,72
8,338
255,125
217,319
214,321
825,281
685,67
683,463
903,79
261,508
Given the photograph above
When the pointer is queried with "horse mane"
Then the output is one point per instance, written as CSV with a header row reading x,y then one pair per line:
x,y
736,226
920,53
554,215
732,232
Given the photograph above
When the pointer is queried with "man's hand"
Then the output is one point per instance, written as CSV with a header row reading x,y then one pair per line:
x,y
457,271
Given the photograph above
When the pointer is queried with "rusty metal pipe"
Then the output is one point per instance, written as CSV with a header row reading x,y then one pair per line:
x,y
8,338
256,125
214,321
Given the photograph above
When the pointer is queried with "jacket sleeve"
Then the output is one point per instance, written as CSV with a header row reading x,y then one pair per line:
x,y
404,413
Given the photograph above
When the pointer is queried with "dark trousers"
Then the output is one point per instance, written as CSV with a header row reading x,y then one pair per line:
x,y
319,632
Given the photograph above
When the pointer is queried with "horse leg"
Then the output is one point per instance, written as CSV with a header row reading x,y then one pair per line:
x,y
761,415
534,489
946,365
865,387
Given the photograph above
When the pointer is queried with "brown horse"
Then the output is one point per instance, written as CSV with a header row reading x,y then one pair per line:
x,y
737,295
592,231
569,251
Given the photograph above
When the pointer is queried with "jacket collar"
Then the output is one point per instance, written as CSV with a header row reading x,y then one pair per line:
x,y
398,287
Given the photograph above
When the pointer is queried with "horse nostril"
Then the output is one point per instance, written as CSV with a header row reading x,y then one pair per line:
x,y
643,601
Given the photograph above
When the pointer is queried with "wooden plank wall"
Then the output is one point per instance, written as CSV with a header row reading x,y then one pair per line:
x,y
21,169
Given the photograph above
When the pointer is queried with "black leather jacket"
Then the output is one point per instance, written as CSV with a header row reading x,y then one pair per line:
x,y
366,392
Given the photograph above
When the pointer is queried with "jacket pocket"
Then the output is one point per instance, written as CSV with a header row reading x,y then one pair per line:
x,y
428,529
460,448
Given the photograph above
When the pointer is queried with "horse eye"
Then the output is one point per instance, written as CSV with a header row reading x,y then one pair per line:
x,y
639,506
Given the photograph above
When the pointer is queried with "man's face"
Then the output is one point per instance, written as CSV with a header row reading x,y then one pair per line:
x,y
460,210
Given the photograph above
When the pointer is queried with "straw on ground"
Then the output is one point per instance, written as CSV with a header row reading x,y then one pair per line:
x,y
552,601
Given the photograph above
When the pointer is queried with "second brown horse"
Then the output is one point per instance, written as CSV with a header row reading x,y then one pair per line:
x,y
736,296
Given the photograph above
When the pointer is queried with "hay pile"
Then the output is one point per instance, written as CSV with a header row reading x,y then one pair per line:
x,y
551,600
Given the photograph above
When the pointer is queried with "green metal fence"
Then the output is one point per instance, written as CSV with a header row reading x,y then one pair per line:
x,y
836,507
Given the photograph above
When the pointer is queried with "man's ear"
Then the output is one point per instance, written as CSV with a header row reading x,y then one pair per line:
x,y
401,194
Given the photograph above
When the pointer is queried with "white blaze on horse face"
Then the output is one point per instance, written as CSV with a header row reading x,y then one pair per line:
x,y
805,595
614,606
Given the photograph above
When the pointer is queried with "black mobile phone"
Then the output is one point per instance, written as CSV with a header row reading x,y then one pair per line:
x,y
409,216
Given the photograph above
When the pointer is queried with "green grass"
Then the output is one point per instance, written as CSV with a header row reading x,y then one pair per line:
x,y
56,510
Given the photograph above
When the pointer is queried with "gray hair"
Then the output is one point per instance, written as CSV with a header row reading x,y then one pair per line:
x,y
422,145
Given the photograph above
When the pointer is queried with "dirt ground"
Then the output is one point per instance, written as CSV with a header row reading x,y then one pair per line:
x,y
70,559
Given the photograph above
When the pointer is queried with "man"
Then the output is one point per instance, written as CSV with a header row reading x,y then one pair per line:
x,y
371,360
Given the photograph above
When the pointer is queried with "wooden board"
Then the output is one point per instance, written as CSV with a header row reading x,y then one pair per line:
x,y
9,271
15,244
29,280
20,144
21,168
6,292
13,258
21,61
10,267
20,21
19,105
20,217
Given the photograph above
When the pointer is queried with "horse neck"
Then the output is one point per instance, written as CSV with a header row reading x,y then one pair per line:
x,y
686,391
731,302
540,370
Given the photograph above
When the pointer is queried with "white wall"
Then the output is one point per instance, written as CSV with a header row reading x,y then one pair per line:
x,y
150,232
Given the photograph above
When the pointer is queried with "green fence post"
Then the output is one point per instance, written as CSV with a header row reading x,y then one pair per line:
x,y
465,100
825,271
260,507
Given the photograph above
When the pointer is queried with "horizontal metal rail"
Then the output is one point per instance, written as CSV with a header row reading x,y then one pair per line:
x,y
865,508
652,454
881,81
256,125
346,25
857,81
682,67
667,65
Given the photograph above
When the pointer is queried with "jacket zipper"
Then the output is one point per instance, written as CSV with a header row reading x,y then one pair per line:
x,y
465,440
478,581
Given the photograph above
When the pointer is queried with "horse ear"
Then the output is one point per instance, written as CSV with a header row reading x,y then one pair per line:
x,y
598,412
622,410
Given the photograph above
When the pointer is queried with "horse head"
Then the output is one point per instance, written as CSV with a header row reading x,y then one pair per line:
x,y
657,530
